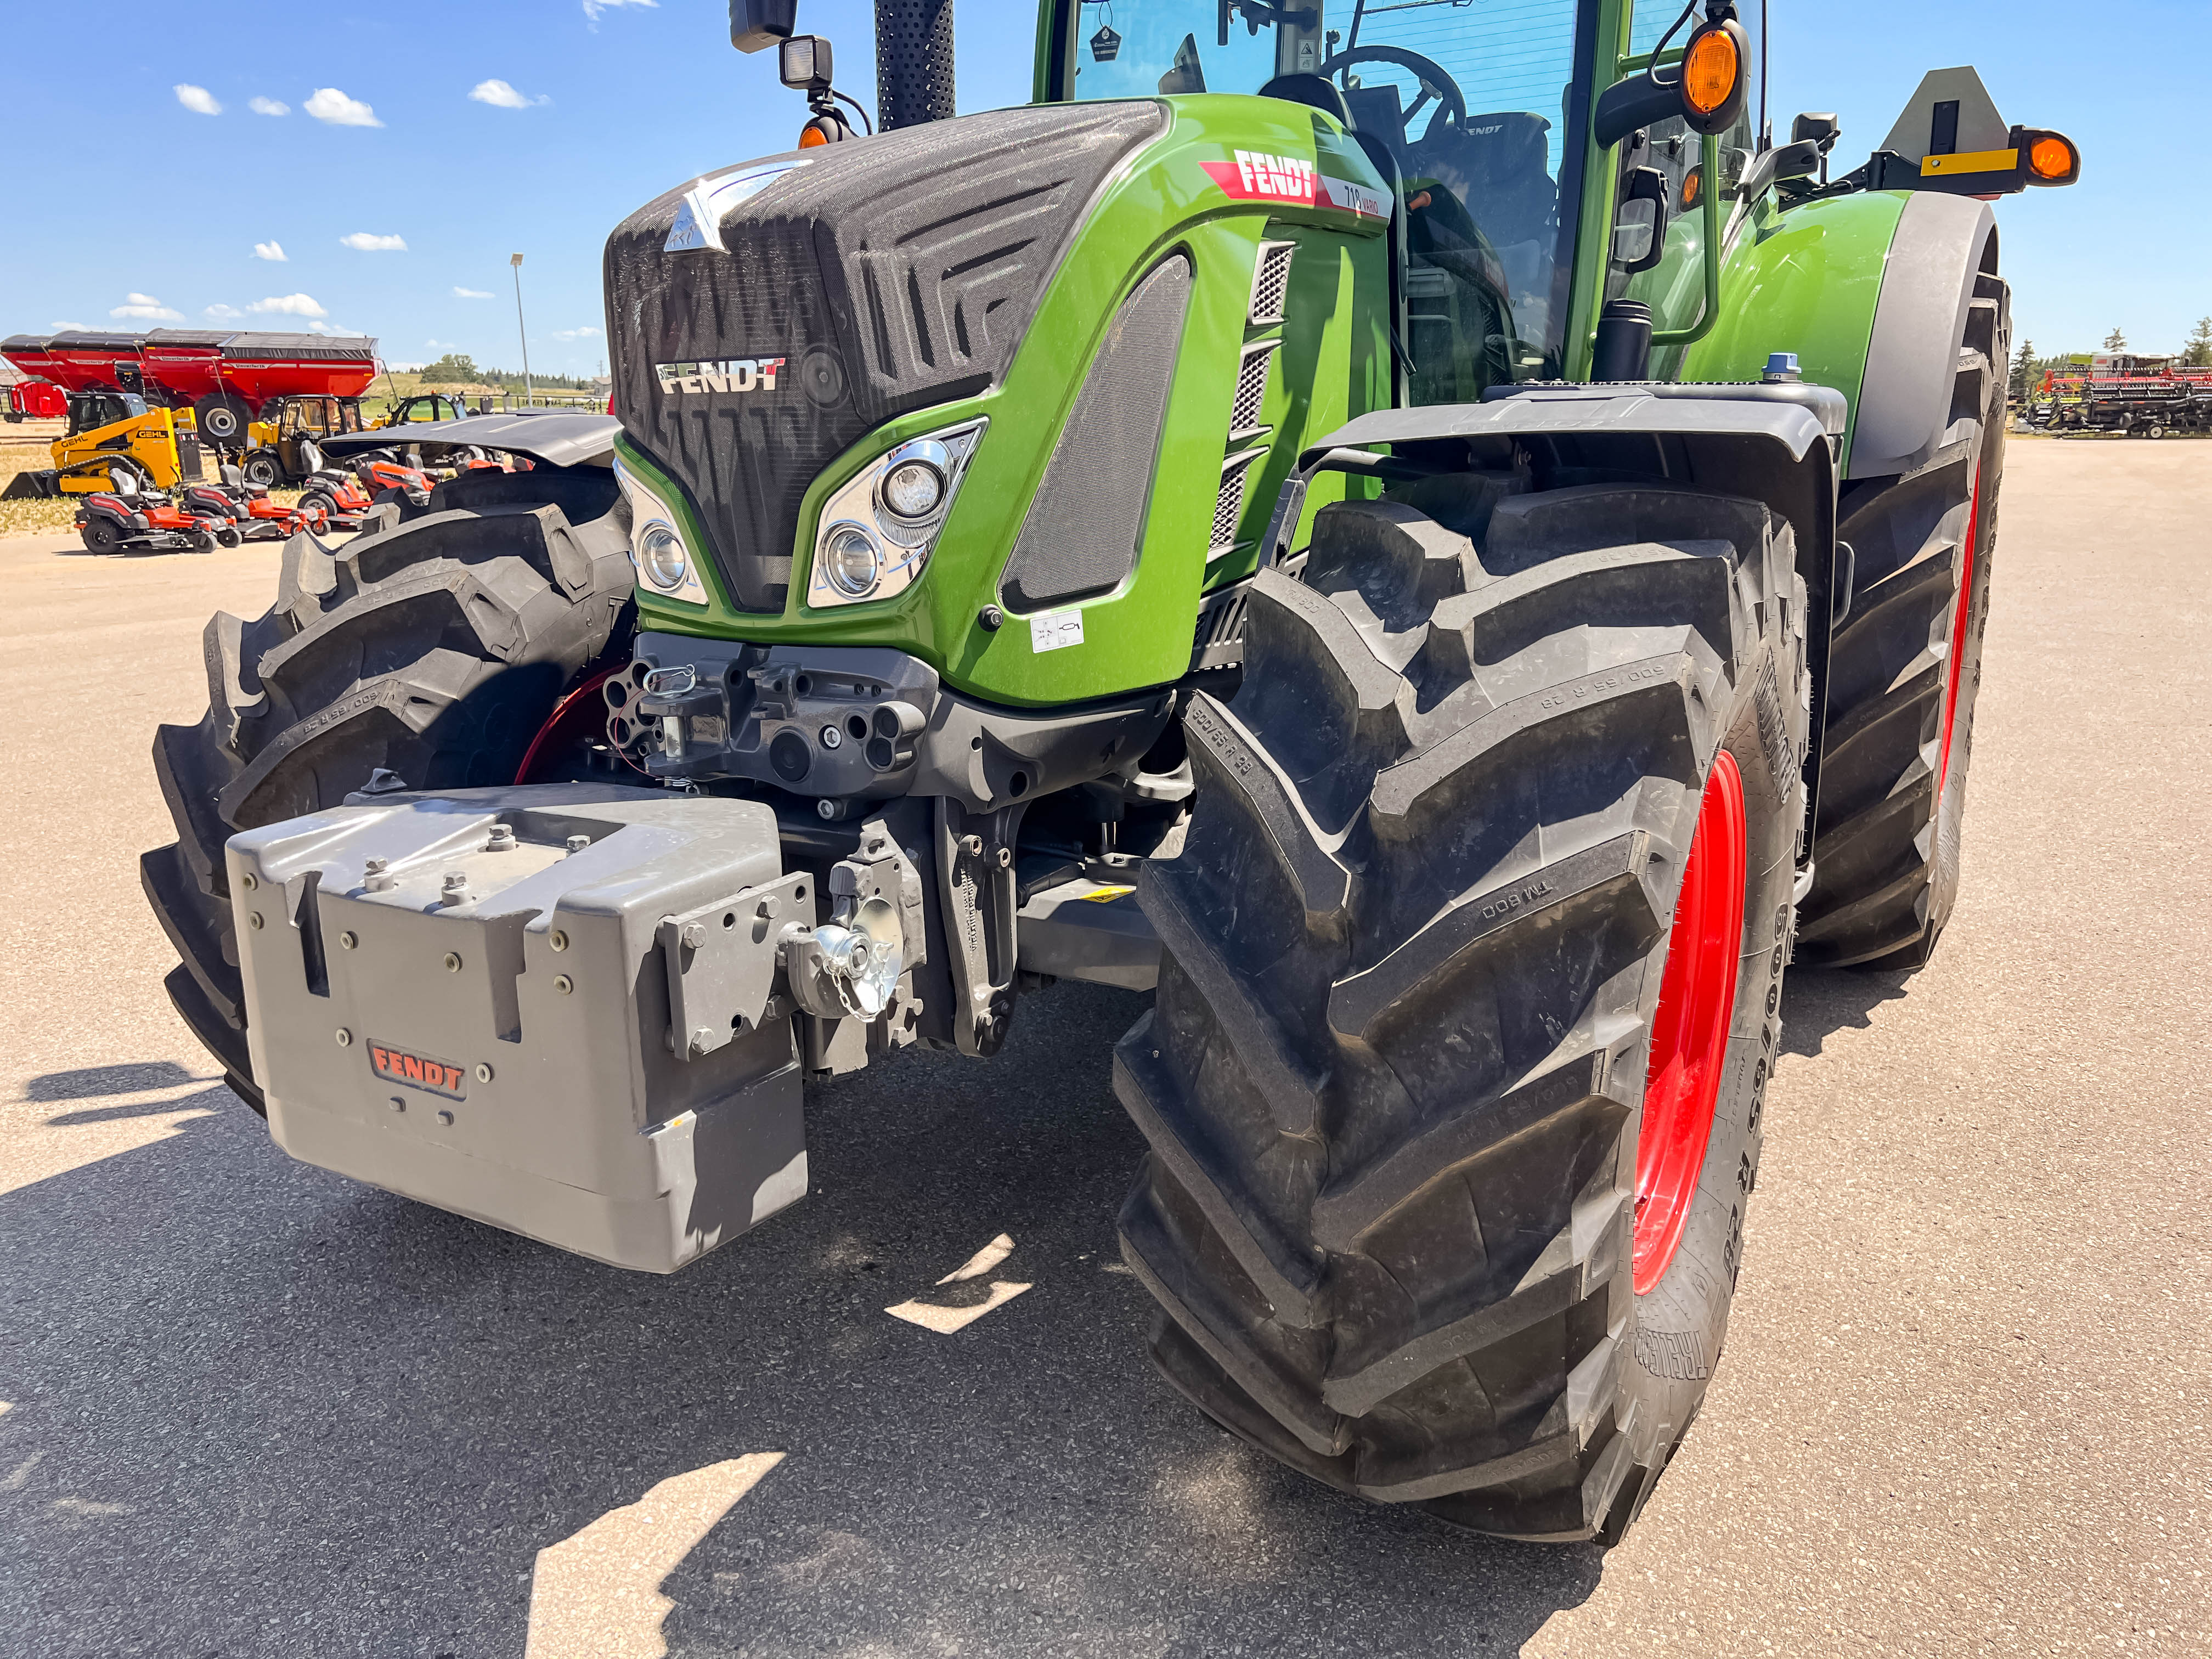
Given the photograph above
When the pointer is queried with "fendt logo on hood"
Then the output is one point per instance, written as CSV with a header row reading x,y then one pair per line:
x,y
726,374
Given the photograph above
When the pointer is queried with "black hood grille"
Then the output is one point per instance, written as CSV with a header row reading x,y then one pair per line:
x,y
887,274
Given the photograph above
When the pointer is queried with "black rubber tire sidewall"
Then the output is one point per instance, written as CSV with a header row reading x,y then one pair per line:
x,y
1681,1321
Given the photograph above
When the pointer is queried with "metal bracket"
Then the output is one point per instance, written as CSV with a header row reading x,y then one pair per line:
x,y
722,962
976,884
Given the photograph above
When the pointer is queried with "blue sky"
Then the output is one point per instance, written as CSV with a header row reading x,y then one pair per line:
x,y
129,203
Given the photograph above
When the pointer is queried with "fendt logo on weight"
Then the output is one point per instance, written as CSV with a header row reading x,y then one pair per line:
x,y
419,1071
725,374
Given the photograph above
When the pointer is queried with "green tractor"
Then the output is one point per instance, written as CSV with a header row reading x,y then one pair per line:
x,y
1418,534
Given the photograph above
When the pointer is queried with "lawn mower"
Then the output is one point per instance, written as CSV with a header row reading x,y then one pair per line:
x,y
133,516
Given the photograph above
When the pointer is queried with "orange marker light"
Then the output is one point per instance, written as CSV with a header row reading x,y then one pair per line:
x,y
811,136
1709,70
2051,158
1693,184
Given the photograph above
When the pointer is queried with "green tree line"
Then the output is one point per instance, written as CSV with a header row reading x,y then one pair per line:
x,y
458,368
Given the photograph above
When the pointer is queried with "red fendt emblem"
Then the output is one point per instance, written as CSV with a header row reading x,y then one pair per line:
x,y
397,1066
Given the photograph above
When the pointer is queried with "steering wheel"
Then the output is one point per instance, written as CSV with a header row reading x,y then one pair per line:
x,y
1436,82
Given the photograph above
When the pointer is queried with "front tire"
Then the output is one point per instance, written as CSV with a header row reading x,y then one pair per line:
x,y
434,649
1903,673
1396,1075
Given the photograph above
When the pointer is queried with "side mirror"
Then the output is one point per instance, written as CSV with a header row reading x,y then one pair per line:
x,y
1639,229
757,25
1821,129
1706,89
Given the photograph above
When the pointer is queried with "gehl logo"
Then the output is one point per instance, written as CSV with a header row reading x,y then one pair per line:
x,y
728,375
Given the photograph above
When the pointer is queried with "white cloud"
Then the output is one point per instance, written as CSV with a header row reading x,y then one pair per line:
x,y
272,250
291,305
434,345
268,106
501,95
224,311
402,368
70,328
330,105
199,100
364,241
573,333
474,294
593,8
146,306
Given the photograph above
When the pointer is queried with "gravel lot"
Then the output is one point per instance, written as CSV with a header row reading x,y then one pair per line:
x,y
253,1409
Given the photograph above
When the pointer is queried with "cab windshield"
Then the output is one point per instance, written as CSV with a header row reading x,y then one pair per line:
x,y
1471,99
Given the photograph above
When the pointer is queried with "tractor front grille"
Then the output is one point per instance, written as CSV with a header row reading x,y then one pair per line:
x,y
858,282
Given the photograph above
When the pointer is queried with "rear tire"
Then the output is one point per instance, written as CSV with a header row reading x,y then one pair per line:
x,y
434,649
1904,670
102,535
262,468
1395,1077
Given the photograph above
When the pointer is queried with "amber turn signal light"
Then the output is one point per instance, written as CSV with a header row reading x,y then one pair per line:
x,y
1709,70
1710,83
2052,158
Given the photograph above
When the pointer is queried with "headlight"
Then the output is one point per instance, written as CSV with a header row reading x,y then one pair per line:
x,y
851,561
879,527
913,489
664,566
660,556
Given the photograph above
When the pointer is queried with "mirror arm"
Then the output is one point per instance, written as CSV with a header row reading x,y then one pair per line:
x,y
1709,302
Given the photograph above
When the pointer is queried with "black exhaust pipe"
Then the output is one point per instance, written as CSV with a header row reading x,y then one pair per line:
x,y
914,62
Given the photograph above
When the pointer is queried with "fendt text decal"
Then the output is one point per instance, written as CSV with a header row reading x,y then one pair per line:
x,y
397,1066
729,375
1255,176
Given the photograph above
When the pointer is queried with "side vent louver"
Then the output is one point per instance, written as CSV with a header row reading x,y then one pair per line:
x,y
1271,289
1271,282
1229,505
1244,422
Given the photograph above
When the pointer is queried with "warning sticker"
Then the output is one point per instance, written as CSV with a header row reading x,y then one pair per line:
x,y
1055,631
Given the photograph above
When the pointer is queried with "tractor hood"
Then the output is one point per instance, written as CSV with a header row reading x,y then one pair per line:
x,y
764,318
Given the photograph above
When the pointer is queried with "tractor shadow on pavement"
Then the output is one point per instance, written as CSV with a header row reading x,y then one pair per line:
x,y
1818,1001
275,1412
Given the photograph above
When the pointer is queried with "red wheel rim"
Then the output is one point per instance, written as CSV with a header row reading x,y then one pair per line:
x,y
1960,611
1689,1033
581,713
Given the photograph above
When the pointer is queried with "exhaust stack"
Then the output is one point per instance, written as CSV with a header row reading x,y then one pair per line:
x,y
913,62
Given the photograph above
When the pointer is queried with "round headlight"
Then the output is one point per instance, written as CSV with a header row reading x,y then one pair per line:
x,y
660,556
914,490
851,561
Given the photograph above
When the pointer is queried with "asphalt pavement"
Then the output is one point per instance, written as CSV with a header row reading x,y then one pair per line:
x,y
254,1409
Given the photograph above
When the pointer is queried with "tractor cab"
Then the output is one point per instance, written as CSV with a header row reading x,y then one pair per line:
x,y
1475,119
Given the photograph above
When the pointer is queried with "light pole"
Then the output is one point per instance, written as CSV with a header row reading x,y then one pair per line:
x,y
529,393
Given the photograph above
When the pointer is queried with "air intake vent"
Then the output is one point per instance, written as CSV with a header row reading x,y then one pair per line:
x,y
1229,505
1088,516
1244,420
1219,641
1271,282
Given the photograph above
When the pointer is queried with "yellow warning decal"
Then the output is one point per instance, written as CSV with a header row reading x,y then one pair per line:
x,y
1978,161
1107,895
